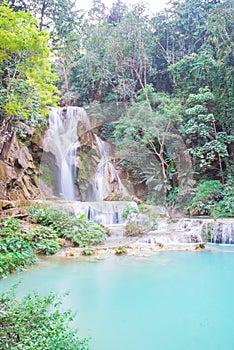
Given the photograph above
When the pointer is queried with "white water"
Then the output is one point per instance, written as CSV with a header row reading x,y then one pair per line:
x,y
223,233
106,179
65,125
191,231
102,212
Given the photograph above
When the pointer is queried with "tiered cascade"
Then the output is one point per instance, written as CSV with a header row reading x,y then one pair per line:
x,y
69,130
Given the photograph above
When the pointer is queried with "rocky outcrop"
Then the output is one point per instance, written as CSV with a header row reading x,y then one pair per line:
x,y
18,174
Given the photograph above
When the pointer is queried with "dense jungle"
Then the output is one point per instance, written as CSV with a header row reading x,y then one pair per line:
x,y
158,87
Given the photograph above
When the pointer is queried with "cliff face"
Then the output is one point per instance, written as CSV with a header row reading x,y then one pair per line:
x,y
18,173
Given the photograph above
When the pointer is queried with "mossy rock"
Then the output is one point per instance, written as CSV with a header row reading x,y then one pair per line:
x,y
200,246
134,229
120,250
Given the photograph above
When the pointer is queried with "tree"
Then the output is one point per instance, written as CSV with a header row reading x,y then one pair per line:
x,y
26,77
26,81
207,142
116,57
62,20
148,138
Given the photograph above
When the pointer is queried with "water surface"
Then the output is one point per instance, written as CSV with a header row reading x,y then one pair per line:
x,y
176,300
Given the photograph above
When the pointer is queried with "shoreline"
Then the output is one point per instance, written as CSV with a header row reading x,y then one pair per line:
x,y
132,249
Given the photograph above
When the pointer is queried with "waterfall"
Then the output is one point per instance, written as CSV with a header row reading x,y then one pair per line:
x,y
68,174
65,125
106,179
69,130
223,233
103,212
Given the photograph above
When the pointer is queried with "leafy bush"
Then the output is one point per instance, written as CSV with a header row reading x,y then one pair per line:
x,y
15,254
225,207
120,250
36,322
46,246
208,192
10,228
88,252
18,247
80,231
43,239
129,211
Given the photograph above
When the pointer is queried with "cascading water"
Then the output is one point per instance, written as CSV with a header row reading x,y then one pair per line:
x,y
68,174
192,230
69,129
65,125
222,233
106,179
104,212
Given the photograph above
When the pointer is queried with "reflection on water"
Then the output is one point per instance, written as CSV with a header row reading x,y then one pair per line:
x,y
169,301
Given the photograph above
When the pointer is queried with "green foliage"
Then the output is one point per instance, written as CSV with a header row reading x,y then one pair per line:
x,y
36,322
10,228
120,250
225,207
129,210
173,198
25,68
43,239
79,230
110,66
200,126
15,254
146,138
88,252
192,71
18,247
208,192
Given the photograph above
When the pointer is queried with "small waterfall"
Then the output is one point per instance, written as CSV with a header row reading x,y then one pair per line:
x,y
192,230
222,233
101,212
106,180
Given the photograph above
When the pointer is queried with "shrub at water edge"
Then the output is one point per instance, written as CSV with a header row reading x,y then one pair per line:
x,y
79,230
15,254
18,247
36,322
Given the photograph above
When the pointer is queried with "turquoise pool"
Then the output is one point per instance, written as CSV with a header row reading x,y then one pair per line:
x,y
176,300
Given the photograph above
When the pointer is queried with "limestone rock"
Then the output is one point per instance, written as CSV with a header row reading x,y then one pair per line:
x,y
18,175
